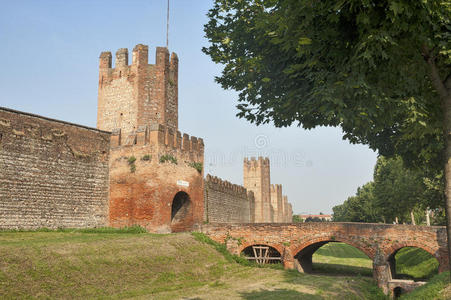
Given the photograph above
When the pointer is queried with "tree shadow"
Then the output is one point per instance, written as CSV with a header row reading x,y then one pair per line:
x,y
278,294
340,270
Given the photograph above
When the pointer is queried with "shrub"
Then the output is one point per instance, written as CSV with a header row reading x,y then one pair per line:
x,y
196,165
146,157
131,163
169,158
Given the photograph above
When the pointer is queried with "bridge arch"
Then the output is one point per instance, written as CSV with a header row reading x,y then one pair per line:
x,y
303,253
393,249
279,248
254,250
391,252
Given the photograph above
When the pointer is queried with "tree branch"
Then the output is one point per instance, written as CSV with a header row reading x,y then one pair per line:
x,y
448,82
435,76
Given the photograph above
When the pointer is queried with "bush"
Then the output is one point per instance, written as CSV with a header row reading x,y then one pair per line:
x,y
146,157
196,165
169,158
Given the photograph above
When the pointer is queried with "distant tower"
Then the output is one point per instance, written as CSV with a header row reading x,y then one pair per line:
x,y
131,96
276,203
257,179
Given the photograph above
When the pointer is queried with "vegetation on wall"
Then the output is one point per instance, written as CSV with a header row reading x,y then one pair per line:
x,y
146,157
131,162
196,165
168,158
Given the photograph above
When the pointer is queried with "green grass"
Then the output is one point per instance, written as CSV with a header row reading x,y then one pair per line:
x,y
434,289
415,263
340,258
107,263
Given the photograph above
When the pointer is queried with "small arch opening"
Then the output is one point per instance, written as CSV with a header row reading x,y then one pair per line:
x,y
333,257
397,292
180,207
413,263
262,254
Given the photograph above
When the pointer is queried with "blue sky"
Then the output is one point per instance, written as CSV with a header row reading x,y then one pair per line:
x,y
49,58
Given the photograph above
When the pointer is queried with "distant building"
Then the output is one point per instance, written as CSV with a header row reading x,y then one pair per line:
x,y
313,217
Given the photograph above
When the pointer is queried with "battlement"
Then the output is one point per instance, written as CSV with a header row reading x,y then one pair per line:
x,y
140,57
134,95
256,162
275,188
226,186
159,135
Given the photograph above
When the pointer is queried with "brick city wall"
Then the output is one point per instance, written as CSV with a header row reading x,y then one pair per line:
x,y
53,173
225,202
142,192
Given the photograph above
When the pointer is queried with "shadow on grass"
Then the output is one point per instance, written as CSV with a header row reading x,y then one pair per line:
x,y
414,278
340,270
340,250
278,294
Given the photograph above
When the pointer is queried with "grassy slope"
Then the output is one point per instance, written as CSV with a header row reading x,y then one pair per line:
x,y
148,266
438,288
415,263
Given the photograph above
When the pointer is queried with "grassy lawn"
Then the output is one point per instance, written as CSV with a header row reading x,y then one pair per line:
x,y
119,265
340,258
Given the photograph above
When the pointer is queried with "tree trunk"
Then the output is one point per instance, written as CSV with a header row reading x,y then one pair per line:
x,y
412,217
446,104
428,220
447,137
443,88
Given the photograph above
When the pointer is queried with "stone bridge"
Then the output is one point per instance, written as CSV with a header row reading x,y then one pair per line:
x,y
296,243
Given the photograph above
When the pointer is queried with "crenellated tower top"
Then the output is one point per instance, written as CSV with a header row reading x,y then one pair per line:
x,y
140,94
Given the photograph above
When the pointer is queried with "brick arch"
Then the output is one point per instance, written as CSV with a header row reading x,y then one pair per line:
x,y
181,211
295,249
278,247
391,250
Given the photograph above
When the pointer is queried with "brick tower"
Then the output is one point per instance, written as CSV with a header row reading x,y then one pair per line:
x,y
139,94
155,171
257,179
276,203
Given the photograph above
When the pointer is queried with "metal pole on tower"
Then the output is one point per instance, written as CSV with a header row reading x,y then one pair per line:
x,y
167,28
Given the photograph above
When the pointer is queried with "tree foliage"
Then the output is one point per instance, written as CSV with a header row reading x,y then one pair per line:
x,y
359,64
395,192
297,219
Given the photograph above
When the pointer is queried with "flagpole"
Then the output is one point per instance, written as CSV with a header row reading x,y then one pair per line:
x,y
167,28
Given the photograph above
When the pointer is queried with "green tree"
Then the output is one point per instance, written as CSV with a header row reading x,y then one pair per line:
x,y
297,219
359,208
396,192
380,69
